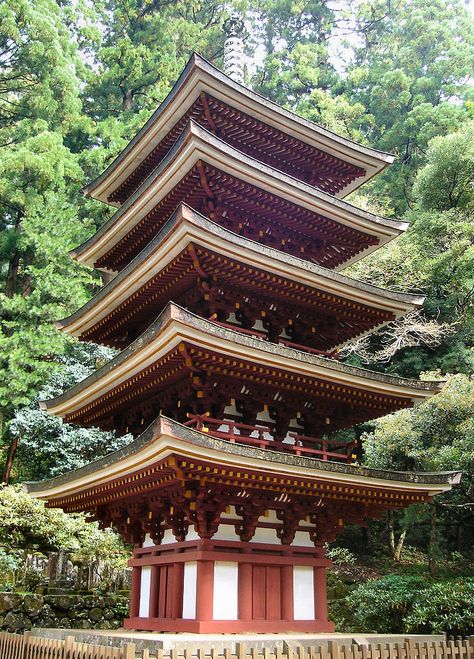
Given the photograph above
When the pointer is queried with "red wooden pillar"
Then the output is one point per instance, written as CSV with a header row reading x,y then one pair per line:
x,y
320,595
154,591
178,588
245,592
287,595
135,592
204,590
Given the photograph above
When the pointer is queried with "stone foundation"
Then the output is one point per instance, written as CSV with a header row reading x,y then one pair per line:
x,y
19,612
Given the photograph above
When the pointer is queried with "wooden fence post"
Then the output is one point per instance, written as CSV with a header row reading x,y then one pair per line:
x,y
68,646
129,651
242,651
334,650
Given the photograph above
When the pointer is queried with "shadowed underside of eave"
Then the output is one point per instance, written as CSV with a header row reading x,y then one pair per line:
x,y
245,195
302,292
241,117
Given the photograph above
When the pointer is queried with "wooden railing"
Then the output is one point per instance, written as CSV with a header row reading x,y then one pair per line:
x,y
210,425
285,342
328,449
26,646
323,449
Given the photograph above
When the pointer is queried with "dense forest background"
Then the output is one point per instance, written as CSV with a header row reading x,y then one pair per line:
x,y
79,78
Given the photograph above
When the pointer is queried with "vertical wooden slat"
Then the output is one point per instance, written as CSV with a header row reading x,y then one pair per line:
x,y
334,650
129,651
26,646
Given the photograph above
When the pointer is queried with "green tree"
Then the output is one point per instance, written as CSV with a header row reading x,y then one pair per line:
x,y
293,37
48,447
435,256
438,435
27,524
413,75
40,176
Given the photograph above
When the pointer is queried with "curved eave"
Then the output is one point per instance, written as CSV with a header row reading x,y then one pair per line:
x,y
187,226
201,76
166,436
196,143
175,326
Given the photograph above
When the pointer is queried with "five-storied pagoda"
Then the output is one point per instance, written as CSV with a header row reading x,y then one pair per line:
x,y
226,303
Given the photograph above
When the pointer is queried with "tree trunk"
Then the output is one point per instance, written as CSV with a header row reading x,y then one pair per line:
x,y
391,532
12,276
7,470
398,549
14,264
127,100
433,538
396,546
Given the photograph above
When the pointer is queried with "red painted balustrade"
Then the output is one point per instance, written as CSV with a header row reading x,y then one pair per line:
x,y
281,341
235,432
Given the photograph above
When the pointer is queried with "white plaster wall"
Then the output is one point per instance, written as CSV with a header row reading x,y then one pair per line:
x,y
168,537
231,514
145,582
288,439
303,592
189,590
264,417
192,535
302,539
148,542
226,532
267,536
226,581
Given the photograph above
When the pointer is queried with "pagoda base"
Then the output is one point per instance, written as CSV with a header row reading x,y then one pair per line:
x,y
230,626
212,586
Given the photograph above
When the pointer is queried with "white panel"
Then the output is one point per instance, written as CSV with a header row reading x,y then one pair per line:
x,y
266,535
231,514
303,592
192,535
189,591
226,582
302,539
226,532
148,542
168,537
145,582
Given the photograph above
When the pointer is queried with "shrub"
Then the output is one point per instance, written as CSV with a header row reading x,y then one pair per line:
x,y
402,603
380,606
446,606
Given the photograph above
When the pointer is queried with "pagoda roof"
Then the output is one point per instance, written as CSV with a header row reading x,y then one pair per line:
x,y
129,295
165,444
180,342
350,232
241,107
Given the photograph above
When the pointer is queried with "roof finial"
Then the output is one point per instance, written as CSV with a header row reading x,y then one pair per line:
x,y
234,29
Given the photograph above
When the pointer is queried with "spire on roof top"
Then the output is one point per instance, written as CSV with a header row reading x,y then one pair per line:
x,y
234,47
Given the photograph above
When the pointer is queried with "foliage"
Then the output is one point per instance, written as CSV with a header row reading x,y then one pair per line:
x,y
412,75
37,77
447,606
50,447
447,180
340,556
436,256
411,604
39,177
436,435
294,39
381,605
27,523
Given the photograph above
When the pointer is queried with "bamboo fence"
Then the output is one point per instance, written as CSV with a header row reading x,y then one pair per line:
x,y
26,646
